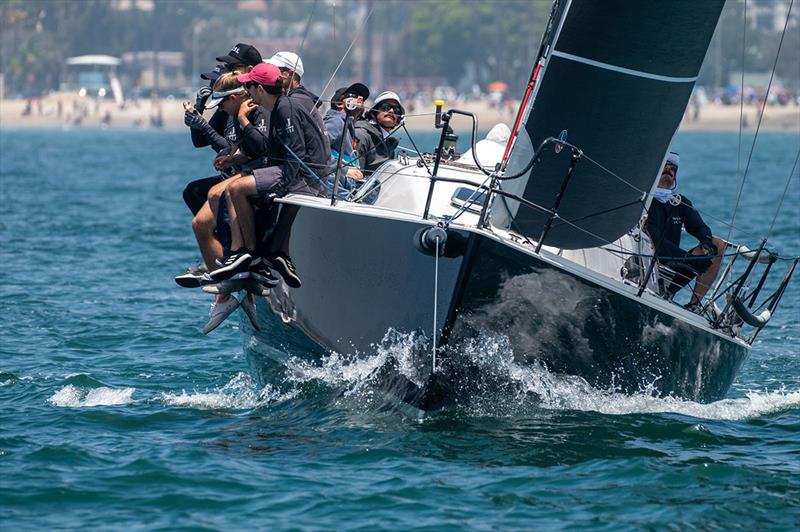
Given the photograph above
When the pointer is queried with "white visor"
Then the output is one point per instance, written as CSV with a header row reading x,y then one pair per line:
x,y
217,97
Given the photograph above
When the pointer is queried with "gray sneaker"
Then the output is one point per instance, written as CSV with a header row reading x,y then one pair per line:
x,y
249,307
219,313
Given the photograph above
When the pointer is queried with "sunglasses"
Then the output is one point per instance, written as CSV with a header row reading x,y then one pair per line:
x,y
386,107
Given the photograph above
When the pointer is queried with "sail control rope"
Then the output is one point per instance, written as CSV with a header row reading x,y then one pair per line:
x,y
760,117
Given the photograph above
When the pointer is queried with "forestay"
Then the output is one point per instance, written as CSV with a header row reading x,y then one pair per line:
x,y
615,79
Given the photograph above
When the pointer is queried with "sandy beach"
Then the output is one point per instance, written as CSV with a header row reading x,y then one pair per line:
x,y
62,110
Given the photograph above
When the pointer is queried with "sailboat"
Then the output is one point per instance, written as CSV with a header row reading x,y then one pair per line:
x,y
536,241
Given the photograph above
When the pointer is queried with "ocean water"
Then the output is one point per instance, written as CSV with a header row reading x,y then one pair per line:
x,y
116,412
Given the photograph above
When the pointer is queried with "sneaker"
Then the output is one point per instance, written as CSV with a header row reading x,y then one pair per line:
x,y
249,308
234,284
237,262
264,275
256,288
191,278
219,313
285,267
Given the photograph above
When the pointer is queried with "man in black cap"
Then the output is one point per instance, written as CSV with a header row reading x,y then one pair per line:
x,y
240,57
346,101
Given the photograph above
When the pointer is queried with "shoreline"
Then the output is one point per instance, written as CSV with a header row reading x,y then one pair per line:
x,y
69,111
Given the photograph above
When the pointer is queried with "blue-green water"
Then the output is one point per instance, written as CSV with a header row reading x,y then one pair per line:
x,y
116,412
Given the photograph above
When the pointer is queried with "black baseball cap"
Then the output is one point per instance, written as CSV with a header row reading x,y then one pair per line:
x,y
359,89
214,74
242,53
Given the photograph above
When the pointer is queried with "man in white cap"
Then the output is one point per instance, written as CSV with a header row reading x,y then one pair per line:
x,y
291,67
373,143
668,213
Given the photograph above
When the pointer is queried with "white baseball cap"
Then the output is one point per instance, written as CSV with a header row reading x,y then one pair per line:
x,y
288,60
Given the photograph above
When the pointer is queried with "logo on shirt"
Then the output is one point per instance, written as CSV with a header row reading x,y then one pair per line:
x,y
289,127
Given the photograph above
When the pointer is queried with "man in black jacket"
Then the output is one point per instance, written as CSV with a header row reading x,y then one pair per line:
x,y
298,158
373,143
668,213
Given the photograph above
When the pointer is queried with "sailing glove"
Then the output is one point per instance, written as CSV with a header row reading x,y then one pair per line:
x,y
194,120
201,98
709,248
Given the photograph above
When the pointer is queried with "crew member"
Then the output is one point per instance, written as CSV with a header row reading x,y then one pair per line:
x,y
298,148
668,213
373,143
340,138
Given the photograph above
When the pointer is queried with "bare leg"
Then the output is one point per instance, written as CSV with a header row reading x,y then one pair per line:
x,y
243,227
705,281
203,225
205,222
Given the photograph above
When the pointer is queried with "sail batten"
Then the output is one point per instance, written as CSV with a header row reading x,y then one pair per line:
x,y
615,80
623,70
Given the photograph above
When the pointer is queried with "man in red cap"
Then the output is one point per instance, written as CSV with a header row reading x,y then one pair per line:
x,y
298,158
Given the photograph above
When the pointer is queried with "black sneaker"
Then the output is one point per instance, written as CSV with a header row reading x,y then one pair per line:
x,y
264,276
191,278
237,262
285,267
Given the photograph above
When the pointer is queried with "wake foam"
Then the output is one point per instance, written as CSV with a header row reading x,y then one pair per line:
x,y
404,351
498,385
240,393
71,396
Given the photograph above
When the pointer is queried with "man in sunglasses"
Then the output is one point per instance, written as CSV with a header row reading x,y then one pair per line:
x,y
373,143
668,213
298,158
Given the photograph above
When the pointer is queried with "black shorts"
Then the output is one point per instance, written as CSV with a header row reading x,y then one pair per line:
x,y
196,193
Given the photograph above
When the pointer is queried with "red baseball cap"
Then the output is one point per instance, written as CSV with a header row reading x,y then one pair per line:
x,y
263,74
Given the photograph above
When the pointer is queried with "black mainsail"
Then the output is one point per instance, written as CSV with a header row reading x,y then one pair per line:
x,y
614,80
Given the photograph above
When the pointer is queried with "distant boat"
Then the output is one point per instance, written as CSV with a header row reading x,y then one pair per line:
x,y
542,259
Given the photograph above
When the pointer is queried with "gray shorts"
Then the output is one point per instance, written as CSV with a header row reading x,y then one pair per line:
x,y
269,184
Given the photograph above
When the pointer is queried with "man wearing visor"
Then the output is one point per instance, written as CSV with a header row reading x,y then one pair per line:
x,y
374,144
668,213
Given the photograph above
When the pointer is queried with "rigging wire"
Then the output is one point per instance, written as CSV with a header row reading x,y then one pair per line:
x,y
783,196
760,118
741,113
305,32
347,52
